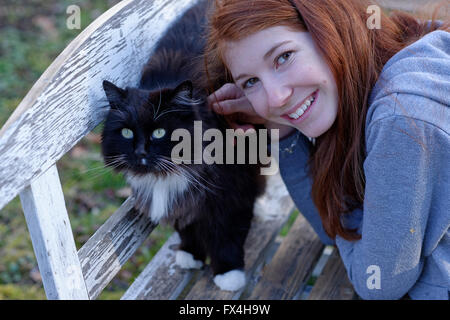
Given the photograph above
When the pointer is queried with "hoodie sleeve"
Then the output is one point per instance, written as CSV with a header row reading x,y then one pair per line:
x,y
404,158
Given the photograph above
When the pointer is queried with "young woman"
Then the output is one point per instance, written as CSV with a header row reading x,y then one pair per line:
x,y
364,120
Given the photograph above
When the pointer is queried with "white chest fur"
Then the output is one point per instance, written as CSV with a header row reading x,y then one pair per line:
x,y
160,191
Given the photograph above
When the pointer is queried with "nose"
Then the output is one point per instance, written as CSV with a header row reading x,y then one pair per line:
x,y
141,154
140,151
278,94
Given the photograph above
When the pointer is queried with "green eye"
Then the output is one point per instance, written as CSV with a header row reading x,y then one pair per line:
x,y
159,133
127,133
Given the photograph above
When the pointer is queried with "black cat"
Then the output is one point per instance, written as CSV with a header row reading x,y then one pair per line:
x,y
211,206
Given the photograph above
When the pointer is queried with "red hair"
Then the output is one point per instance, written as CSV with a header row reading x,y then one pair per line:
x,y
355,55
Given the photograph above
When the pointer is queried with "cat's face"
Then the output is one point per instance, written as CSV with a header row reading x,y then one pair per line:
x,y
137,133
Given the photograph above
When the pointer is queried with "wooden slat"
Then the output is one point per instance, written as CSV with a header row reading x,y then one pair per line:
x,y
162,279
51,235
65,103
258,242
103,255
333,283
272,212
292,264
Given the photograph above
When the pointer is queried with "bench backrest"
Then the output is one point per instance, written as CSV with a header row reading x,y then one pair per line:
x,y
59,110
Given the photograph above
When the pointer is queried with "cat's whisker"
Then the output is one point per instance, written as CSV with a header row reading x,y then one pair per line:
x,y
120,112
187,101
160,166
155,116
164,167
169,111
94,169
91,175
115,161
193,176
153,109
205,181
95,172
169,166
121,156
115,157
190,179
198,175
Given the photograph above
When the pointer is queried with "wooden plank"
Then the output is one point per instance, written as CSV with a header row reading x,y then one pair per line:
x,y
103,255
333,283
162,279
51,235
271,213
290,268
65,103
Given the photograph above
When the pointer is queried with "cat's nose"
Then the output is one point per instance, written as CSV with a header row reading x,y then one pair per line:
x,y
140,152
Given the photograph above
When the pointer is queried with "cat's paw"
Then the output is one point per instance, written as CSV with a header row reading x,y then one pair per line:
x,y
186,260
230,281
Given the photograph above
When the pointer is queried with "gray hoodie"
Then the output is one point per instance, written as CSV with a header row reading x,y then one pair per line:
x,y
404,222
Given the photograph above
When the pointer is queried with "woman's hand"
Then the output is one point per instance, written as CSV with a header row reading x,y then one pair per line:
x,y
231,102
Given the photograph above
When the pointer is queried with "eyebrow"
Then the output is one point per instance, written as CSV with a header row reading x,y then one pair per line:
x,y
265,57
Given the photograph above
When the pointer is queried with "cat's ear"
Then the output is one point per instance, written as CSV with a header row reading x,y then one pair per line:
x,y
114,94
184,90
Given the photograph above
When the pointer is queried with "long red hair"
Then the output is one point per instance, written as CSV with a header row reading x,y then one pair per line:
x,y
355,55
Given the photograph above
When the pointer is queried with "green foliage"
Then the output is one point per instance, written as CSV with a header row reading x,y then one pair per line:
x,y
284,231
15,292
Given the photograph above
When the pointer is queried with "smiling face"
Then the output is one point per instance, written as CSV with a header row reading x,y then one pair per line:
x,y
285,78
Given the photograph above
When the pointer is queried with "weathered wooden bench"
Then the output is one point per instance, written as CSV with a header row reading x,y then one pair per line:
x,y
61,108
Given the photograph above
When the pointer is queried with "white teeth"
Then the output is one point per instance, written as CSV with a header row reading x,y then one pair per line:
x,y
297,114
301,111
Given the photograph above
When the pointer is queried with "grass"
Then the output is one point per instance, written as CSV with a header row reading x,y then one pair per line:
x,y
32,34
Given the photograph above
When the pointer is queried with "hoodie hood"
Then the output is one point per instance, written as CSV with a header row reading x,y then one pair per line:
x,y
420,73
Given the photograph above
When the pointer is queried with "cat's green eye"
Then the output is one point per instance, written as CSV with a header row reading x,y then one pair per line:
x,y
127,133
158,133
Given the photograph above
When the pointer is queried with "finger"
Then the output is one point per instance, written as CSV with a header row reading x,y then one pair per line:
x,y
245,127
251,119
242,129
226,92
232,106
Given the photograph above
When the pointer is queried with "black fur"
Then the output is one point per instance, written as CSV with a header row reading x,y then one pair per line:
x,y
213,217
